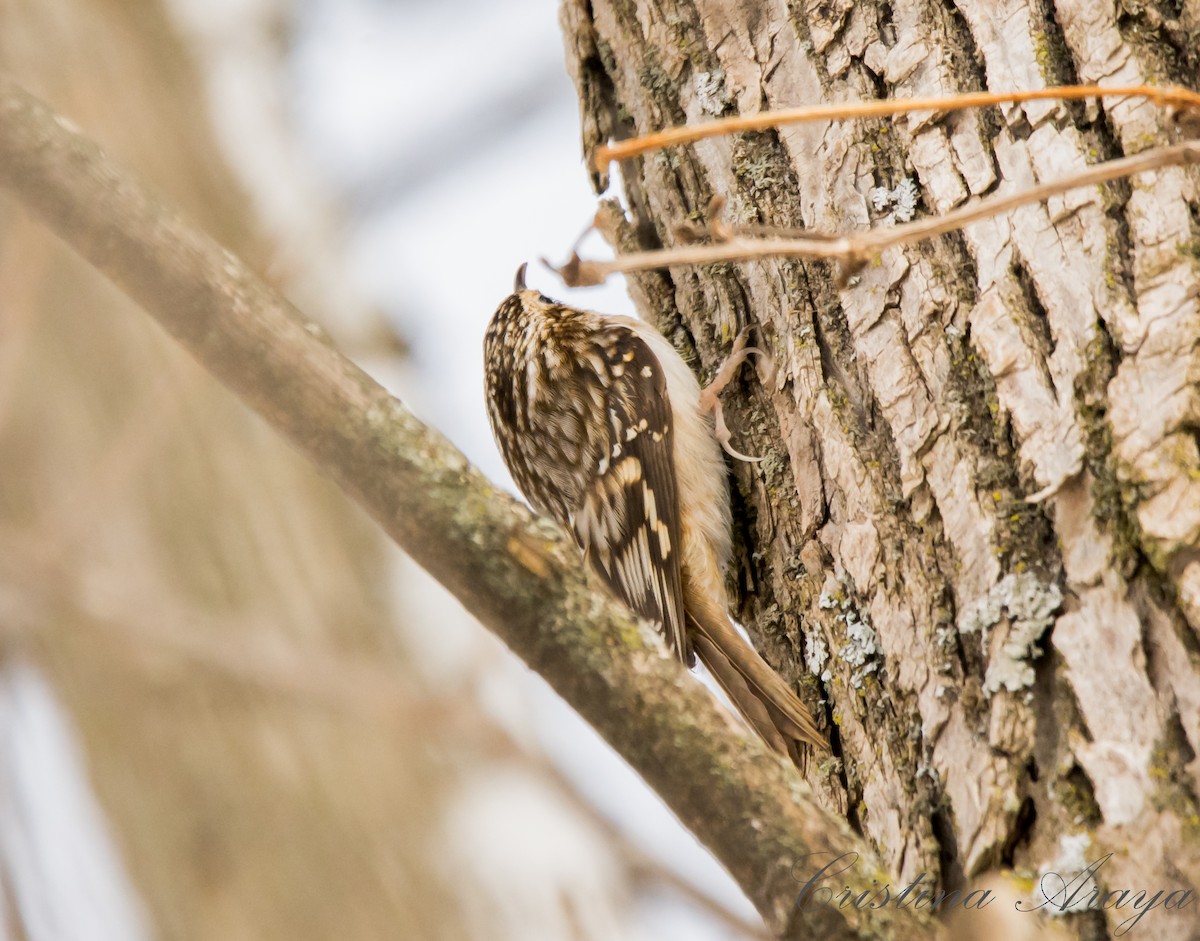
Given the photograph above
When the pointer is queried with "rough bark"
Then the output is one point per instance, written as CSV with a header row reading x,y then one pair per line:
x,y
973,539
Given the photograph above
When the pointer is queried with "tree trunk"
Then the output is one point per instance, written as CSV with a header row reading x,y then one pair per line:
x,y
972,541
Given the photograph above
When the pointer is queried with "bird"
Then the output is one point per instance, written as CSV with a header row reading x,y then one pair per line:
x,y
605,429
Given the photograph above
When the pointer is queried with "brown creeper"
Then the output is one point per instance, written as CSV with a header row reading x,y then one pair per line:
x,y
600,423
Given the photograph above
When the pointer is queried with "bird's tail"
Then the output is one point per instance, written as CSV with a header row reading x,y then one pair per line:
x,y
760,694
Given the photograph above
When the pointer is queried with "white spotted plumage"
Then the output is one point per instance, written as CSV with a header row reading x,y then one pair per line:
x,y
600,422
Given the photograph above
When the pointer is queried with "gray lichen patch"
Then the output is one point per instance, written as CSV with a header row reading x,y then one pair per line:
x,y
861,649
1071,867
816,658
1028,606
899,203
711,92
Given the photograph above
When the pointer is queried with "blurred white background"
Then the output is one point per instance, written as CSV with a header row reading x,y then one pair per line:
x,y
443,140
404,159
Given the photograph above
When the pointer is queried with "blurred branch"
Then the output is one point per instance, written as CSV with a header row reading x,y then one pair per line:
x,y
520,577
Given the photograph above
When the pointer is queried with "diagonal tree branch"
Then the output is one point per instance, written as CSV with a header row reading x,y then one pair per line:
x,y
518,576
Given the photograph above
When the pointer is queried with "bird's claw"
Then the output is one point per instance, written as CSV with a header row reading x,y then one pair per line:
x,y
709,401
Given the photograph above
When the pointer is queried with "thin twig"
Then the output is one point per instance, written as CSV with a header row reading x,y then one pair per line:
x,y
1171,96
856,249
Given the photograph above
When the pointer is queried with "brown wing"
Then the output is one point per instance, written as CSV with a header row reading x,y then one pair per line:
x,y
628,519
